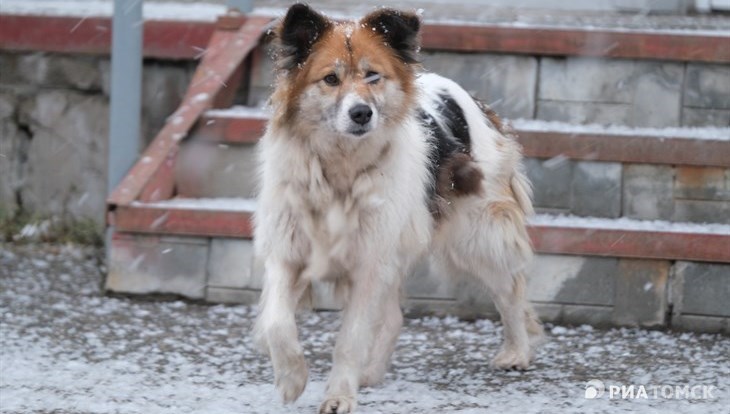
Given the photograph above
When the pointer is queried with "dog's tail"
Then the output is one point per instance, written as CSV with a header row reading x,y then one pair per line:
x,y
522,190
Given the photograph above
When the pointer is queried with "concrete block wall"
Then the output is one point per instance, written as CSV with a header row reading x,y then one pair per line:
x,y
638,191
206,170
626,92
706,95
54,119
601,291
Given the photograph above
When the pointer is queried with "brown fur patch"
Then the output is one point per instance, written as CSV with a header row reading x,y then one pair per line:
x,y
459,176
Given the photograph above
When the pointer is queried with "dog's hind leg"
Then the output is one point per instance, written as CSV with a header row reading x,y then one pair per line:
x,y
391,321
522,331
487,240
276,332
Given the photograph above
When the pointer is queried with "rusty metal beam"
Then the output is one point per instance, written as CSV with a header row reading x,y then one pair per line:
x,y
626,148
203,223
634,44
631,243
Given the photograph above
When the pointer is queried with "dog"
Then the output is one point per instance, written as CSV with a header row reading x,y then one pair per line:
x,y
367,165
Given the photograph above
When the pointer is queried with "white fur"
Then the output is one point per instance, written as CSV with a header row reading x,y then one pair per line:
x,y
355,213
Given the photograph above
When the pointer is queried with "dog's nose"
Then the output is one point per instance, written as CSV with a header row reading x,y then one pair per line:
x,y
361,114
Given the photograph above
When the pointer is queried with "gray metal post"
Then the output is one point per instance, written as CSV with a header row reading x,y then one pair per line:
x,y
126,89
244,6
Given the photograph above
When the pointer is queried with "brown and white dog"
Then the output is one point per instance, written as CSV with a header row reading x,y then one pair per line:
x,y
367,166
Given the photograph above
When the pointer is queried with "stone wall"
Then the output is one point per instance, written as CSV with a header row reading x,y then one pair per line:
x,y
54,119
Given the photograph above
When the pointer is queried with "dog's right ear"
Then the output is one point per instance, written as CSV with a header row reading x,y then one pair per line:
x,y
398,29
297,33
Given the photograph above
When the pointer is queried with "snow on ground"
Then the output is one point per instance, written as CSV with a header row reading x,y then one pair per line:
x,y
66,348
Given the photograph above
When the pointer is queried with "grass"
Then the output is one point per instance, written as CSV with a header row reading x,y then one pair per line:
x,y
23,227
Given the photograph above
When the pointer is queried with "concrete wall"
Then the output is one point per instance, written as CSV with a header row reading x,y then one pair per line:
x,y
54,119
639,191
564,289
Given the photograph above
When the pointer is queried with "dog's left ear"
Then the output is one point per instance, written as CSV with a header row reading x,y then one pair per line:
x,y
398,29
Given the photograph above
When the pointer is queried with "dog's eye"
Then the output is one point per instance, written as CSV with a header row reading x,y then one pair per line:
x,y
372,77
331,80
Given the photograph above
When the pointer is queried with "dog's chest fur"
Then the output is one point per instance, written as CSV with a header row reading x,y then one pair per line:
x,y
336,196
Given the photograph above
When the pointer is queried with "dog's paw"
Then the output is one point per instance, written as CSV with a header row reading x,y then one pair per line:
x,y
510,359
338,405
292,380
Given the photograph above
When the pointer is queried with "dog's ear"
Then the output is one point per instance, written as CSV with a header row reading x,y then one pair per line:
x,y
297,34
398,29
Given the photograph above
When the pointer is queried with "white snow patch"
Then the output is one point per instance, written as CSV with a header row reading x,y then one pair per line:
x,y
628,224
34,231
216,204
201,97
239,112
708,133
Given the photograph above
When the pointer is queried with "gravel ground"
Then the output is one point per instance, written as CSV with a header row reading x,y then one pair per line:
x,y
67,348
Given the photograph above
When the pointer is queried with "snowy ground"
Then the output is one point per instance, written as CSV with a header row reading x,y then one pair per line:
x,y
66,348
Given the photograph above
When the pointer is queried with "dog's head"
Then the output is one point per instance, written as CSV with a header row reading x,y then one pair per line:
x,y
348,78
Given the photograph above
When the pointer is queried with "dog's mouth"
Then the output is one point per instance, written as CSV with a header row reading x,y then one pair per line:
x,y
358,132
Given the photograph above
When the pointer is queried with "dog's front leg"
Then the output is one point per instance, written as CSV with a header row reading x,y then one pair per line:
x,y
276,329
360,321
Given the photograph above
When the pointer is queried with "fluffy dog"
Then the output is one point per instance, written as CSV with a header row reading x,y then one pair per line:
x,y
366,166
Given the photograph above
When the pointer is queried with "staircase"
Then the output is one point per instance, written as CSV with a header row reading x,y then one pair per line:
x,y
633,225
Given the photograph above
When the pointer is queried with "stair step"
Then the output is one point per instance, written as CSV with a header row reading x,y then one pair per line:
x,y
705,147
231,217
